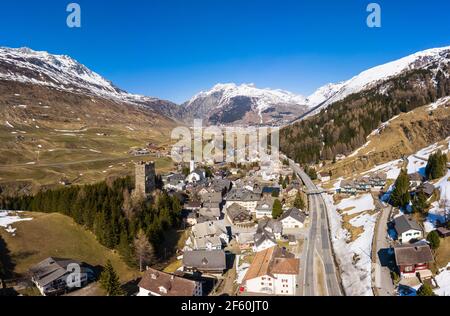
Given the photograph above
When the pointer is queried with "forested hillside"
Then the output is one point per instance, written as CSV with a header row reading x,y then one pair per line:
x,y
109,211
344,126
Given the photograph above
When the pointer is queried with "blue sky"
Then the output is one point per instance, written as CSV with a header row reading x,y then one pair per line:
x,y
174,48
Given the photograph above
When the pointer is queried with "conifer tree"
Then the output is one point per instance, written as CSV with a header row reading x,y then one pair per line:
x,y
277,209
400,195
109,281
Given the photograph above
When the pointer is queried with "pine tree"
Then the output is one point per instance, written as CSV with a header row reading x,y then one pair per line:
x,y
425,290
277,210
434,240
436,166
109,281
400,195
299,203
420,204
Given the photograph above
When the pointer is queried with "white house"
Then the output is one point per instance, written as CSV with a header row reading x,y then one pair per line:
x,y
264,207
324,176
245,198
157,283
263,240
293,219
54,276
196,176
407,229
273,271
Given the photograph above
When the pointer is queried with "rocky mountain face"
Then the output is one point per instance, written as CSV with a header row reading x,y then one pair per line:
x,y
62,73
227,104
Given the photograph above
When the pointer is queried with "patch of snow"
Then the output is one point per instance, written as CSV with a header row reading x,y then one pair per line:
x,y
9,124
356,277
443,281
357,204
391,168
438,103
7,219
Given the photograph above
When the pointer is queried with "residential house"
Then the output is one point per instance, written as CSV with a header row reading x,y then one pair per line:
x,y
413,259
213,212
347,187
267,233
192,218
158,283
205,262
378,179
193,206
292,219
291,191
407,229
271,191
363,184
443,232
426,188
244,198
212,198
415,179
246,239
239,216
264,207
175,182
274,271
53,276
211,235
196,176
324,176
271,225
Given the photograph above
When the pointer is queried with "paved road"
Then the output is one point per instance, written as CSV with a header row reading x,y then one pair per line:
x,y
382,273
318,245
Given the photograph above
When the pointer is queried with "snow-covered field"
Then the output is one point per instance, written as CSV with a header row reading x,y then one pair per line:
x,y
392,169
354,257
8,218
443,281
437,213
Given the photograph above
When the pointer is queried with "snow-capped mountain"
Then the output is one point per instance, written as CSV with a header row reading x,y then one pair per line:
x,y
244,104
63,73
432,59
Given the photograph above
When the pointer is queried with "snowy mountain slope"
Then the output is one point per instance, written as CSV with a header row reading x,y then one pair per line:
x,y
231,103
432,59
66,74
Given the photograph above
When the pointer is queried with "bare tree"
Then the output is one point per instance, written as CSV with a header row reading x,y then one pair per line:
x,y
145,253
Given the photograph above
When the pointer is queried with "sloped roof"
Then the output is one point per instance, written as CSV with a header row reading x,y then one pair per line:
x,y
295,213
404,223
413,254
273,261
153,280
205,260
51,269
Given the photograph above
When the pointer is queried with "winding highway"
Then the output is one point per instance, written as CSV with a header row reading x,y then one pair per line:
x,y
318,270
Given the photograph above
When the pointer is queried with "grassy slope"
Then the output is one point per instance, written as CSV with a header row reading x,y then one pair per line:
x,y
68,131
59,236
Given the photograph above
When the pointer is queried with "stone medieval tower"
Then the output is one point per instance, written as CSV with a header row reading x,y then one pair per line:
x,y
145,178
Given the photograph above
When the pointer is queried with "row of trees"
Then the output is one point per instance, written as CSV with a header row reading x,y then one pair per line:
x,y
344,126
119,219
